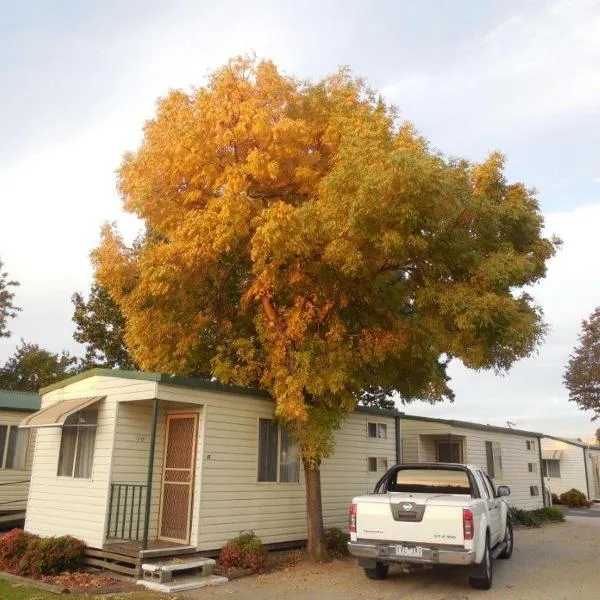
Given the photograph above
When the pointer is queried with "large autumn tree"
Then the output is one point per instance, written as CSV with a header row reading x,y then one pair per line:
x,y
298,238
582,374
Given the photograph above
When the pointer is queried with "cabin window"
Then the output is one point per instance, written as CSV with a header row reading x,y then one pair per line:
x,y
534,490
551,468
377,464
13,447
77,444
532,467
493,452
278,454
377,430
449,451
530,444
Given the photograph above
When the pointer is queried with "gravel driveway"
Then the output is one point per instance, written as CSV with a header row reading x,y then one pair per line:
x,y
558,562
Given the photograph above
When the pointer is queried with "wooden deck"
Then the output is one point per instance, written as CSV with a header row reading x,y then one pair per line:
x,y
127,557
155,548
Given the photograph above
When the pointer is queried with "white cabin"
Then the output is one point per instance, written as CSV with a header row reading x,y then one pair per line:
x,y
510,456
220,464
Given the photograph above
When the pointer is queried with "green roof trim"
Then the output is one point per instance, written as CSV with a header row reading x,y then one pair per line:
x,y
14,400
479,426
193,382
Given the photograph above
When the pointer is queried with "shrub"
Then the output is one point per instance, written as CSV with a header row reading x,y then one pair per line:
x,y
13,545
336,542
535,518
549,514
51,556
519,516
246,551
555,499
26,554
574,498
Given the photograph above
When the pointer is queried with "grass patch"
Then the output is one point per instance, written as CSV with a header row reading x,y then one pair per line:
x,y
535,518
17,591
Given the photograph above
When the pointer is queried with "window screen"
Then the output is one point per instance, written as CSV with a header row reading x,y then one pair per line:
x,y
267,450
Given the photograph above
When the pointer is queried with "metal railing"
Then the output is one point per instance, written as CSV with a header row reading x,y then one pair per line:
x,y
126,509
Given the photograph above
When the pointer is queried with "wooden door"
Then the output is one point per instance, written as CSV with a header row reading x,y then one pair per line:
x,y
178,477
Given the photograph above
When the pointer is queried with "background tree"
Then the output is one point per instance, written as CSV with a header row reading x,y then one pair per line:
x,y
597,435
582,374
298,239
8,310
100,327
376,397
31,368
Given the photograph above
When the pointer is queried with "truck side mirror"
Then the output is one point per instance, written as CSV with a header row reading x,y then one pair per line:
x,y
503,490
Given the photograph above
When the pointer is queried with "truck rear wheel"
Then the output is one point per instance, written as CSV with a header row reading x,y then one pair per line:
x,y
483,579
379,572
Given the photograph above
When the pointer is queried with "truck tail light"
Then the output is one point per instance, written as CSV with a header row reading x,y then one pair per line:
x,y
468,526
352,518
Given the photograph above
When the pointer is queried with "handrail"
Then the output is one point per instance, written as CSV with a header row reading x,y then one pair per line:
x,y
125,511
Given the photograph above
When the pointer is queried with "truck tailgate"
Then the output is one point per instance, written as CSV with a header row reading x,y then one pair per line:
x,y
414,518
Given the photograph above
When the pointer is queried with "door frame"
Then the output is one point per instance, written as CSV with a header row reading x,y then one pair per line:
x,y
169,417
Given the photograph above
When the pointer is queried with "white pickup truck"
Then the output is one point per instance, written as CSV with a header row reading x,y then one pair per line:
x,y
435,513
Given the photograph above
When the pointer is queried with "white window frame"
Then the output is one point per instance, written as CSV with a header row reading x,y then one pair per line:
x,y
278,468
381,463
532,467
4,451
450,442
380,430
78,427
496,447
546,470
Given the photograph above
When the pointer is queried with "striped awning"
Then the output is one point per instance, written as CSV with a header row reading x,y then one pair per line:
x,y
56,414
551,454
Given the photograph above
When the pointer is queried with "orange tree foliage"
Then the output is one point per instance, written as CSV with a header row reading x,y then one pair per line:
x,y
299,239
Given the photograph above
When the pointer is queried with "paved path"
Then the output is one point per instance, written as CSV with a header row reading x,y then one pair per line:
x,y
593,511
557,562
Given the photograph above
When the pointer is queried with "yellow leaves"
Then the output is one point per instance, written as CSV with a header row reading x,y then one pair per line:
x,y
300,241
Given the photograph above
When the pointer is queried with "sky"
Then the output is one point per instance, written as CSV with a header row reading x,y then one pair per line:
x,y
78,79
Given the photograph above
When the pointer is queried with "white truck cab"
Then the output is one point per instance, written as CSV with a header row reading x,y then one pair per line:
x,y
432,513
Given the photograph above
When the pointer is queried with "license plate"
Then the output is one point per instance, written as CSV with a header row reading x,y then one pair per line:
x,y
409,551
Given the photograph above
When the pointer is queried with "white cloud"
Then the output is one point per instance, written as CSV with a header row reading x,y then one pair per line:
x,y
534,67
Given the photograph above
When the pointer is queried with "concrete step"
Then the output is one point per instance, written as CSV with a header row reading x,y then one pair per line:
x,y
162,571
182,583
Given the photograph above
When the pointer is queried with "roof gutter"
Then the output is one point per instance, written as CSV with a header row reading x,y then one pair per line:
x,y
398,441
545,499
587,481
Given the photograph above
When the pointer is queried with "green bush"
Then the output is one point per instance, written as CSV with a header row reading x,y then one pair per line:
x,y
23,553
535,518
549,514
336,542
519,516
555,499
52,556
574,498
246,551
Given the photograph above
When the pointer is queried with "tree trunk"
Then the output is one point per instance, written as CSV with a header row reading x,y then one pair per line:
x,y
314,512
